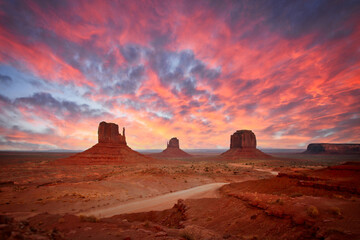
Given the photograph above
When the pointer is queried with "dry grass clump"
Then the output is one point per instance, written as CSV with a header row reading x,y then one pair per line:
x,y
279,201
312,211
294,195
335,211
91,218
187,236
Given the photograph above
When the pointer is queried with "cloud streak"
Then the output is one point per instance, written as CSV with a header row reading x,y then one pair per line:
x,y
196,70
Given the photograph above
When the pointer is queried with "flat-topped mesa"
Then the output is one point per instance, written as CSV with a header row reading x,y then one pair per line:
x,y
333,148
173,143
243,145
243,139
109,133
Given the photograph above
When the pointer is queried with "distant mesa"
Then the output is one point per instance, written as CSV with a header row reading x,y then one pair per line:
x,y
333,148
243,145
110,149
172,150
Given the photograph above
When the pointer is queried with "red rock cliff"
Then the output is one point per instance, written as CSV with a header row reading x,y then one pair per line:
x,y
243,145
333,148
243,139
109,133
173,143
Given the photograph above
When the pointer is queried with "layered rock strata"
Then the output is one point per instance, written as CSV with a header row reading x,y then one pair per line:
x,y
333,148
172,150
110,149
243,145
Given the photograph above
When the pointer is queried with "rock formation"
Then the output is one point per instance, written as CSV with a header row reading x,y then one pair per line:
x,y
333,148
173,143
243,139
110,149
109,133
172,150
243,145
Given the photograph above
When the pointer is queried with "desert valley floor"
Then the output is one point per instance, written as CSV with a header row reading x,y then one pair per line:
x,y
288,196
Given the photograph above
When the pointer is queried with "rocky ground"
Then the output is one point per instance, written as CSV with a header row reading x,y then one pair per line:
x,y
307,200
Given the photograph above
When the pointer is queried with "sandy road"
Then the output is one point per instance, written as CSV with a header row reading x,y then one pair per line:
x,y
267,170
163,202
158,203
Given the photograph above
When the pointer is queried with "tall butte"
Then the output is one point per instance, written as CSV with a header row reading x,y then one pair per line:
x,y
172,150
110,149
243,145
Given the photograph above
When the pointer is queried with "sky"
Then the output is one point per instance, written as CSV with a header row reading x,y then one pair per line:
x,y
197,70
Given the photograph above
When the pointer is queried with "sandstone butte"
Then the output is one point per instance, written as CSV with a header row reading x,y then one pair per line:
x,y
110,149
243,145
172,150
333,148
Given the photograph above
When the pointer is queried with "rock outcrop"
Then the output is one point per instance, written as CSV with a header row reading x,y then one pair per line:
x,y
173,143
109,133
243,145
332,148
172,150
110,149
243,139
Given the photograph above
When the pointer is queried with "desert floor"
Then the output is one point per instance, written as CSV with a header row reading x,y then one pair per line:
x,y
289,196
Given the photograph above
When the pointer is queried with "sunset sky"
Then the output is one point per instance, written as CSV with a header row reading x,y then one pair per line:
x,y
197,70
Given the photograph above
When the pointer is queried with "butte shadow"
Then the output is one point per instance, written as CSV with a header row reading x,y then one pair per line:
x,y
243,146
172,150
110,149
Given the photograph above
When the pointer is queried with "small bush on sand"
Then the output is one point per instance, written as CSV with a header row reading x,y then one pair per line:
x,y
335,211
294,195
91,218
187,236
312,211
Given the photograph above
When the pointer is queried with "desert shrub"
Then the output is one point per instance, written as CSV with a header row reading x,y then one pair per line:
x,y
312,211
279,201
294,195
91,218
335,211
147,224
187,236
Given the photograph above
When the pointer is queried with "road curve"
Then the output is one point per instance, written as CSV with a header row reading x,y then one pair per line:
x,y
157,203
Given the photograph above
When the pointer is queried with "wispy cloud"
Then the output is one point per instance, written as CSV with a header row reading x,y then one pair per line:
x,y
199,70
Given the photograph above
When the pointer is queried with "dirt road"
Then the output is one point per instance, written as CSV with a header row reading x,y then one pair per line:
x,y
158,203
162,202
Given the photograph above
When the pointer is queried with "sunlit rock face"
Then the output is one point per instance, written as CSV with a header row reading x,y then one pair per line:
x,y
109,133
243,139
333,148
173,143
